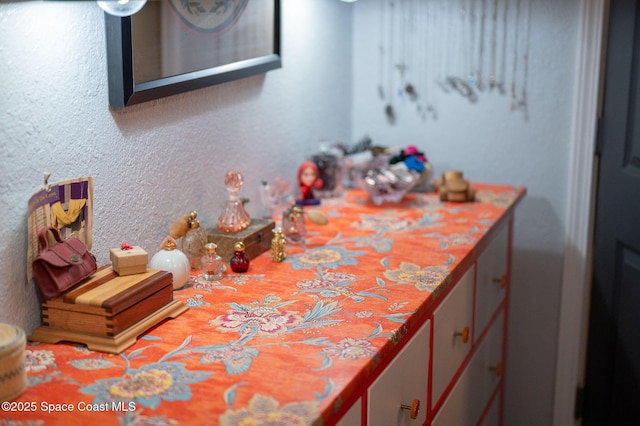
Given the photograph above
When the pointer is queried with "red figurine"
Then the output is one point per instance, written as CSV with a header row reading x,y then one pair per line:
x,y
239,262
308,179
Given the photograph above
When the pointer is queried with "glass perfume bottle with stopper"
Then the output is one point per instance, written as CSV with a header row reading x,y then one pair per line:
x,y
293,225
194,241
239,262
212,265
234,217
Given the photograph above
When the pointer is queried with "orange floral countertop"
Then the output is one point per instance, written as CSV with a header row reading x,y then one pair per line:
x,y
284,343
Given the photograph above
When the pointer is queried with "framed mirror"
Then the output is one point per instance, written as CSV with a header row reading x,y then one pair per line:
x,y
175,46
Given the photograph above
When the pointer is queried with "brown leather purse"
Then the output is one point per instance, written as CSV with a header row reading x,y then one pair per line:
x,y
61,266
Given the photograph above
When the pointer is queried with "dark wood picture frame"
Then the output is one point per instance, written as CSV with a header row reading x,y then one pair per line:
x,y
124,91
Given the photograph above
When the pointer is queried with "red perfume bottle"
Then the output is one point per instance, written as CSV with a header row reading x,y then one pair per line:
x,y
239,262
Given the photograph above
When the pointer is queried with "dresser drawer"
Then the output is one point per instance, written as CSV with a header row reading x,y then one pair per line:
x,y
452,334
404,380
491,278
472,393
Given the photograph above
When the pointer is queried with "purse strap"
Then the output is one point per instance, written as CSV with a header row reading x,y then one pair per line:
x,y
42,236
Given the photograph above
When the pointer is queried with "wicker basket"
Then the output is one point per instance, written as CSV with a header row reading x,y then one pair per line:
x,y
13,377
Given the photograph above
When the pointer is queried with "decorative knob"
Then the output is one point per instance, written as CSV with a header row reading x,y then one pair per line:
x,y
502,281
464,334
414,408
497,369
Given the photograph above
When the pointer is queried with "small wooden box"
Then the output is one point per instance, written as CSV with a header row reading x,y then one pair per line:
x,y
108,303
129,262
108,312
256,238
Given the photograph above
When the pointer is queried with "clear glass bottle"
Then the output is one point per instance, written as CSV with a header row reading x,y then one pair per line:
x,y
234,217
212,265
194,241
239,262
293,226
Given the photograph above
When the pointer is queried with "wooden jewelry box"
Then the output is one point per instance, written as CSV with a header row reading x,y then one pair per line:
x,y
108,311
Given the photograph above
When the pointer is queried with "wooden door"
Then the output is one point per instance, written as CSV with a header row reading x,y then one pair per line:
x,y
612,387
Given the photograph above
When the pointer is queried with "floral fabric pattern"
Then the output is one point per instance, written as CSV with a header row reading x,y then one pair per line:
x,y
285,343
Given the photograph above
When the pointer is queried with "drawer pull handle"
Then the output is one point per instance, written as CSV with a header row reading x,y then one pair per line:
x,y
502,281
414,408
497,369
464,334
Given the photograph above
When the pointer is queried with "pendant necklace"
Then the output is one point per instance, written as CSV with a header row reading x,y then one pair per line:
x,y
503,65
421,30
381,57
428,17
483,20
389,108
473,74
457,83
445,58
514,100
409,34
494,42
523,101
401,65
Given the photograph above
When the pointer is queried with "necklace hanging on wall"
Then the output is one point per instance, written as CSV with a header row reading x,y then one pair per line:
x,y
389,110
381,55
410,34
493,81
522,104
483,20
428,17
472,18
514,71
421,34
500,84
457,83
444,55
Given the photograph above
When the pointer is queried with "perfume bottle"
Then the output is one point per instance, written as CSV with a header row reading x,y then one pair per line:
x,y
239,262
212,264
278,244
234,217
293,226
194,241
170,259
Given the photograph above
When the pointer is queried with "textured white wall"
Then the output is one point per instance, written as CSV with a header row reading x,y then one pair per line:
x,y
156,161
490,143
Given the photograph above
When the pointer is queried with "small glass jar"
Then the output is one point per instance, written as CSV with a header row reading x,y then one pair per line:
x,y
212,265
239,262
194,241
